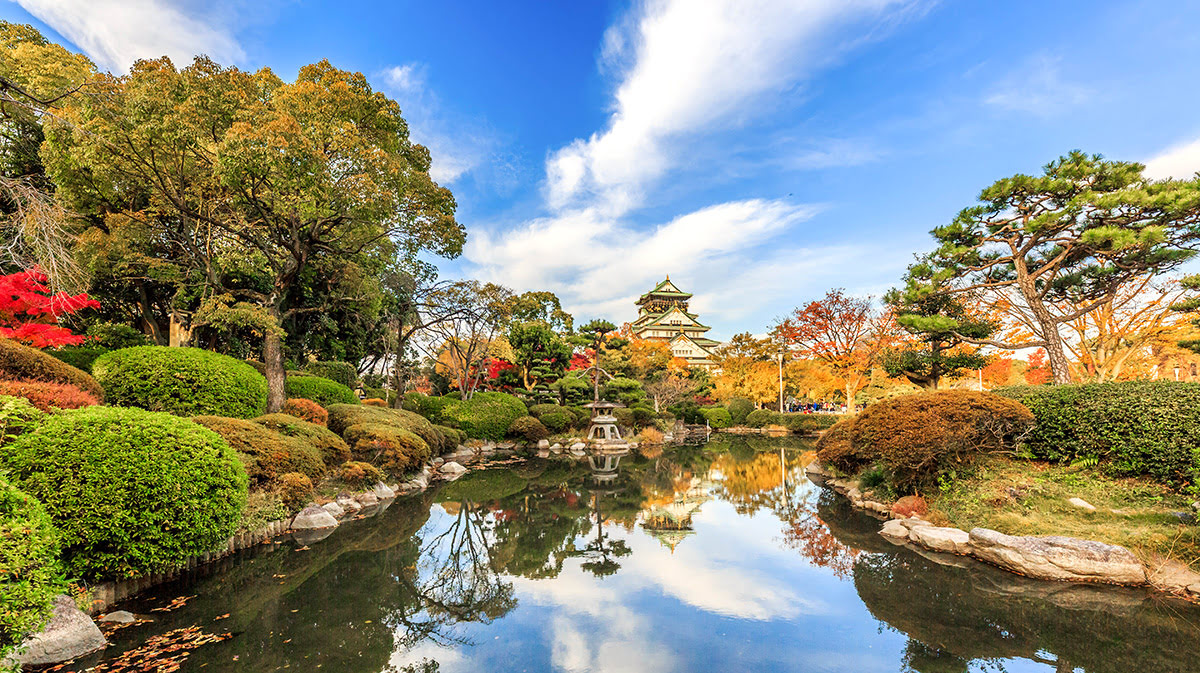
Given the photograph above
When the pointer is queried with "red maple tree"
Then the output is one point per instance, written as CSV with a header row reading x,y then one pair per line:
x,y
29,311
1038,371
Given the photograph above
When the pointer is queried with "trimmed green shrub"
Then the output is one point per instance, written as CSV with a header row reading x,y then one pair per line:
x,y
359,474
916,438
295,489
739,408
344,416
30,574
389,447
431,407
487,415
558,421
266,453
538,410
642,414
332,448
760,418
320,390
79,357
451,437
1147,428
131,491
19,362
717,417
181,381
529,429
47,396
342,372
306,410
17,416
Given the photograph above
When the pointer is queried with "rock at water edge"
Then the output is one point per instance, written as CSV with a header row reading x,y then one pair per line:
x,y
452,468
894,530
313,518
119,617
335,510
1058,558
383,492
948,540
69,634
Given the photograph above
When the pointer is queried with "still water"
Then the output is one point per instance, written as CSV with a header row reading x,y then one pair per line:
x,y
720,557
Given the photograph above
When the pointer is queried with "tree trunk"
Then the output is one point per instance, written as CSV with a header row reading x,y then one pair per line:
x,y
398,381
1060,367
276,374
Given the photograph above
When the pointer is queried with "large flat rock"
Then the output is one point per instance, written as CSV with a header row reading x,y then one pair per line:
x,y
946,540
1058,558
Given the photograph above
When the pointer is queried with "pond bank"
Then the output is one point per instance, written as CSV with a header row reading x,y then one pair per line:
x,y
1055,558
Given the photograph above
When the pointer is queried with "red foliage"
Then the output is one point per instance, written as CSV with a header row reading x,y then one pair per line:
x,y
46,396
29,313
997,372
1038,371
495,366
305,410
581,360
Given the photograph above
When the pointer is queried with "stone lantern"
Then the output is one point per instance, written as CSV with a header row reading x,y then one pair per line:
x,y
604,425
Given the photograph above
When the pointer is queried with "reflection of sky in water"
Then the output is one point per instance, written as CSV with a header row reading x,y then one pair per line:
x,y
728,598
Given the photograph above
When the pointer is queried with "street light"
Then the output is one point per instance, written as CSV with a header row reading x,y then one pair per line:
x,y
781,379
1176,372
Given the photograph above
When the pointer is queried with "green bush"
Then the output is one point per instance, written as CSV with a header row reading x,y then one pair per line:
x,y
341,372
388,396
389,447
1147,428
343,416
320,390
359,474
114,336
19,362
131,491
332,448
717,417
30,574
487,415
181,381
529,429
431,407
538,410
266,453
451,437
79,357
760,418
739,408
17,416
558,421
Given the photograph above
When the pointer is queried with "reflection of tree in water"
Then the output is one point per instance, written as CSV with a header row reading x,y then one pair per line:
x,y
600,553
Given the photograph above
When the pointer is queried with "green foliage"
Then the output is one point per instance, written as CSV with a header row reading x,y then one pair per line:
x,y
131,491
19,362
540,356
390,447
687,411
761,418
739,409
939,322
265,453
342,372
332,448
30,574
17,416
558,421
79,357
181,381
380,394
624,390
113,336
529,429
1147,428
431,407
344,416
451,437
717,417
319,389
359,474
295,489
487,415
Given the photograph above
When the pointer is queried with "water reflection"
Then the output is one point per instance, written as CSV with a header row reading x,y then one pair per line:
x,y
713,557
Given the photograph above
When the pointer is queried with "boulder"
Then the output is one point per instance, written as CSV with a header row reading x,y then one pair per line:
x,y
936,538
383,492
421,481
1058,558
556,447
910,505
313,518
69,634
452,468
335,510
437,462
578,446
1174,577
367,499
1082,504
894,530
119,617
349,504
543,444
913,521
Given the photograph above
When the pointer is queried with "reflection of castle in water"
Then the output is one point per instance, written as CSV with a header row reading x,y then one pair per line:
x,y
671,523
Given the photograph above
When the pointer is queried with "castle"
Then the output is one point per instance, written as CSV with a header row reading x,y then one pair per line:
x,y
663,316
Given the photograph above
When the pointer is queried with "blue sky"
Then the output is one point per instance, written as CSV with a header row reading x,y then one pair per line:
x,y
759,152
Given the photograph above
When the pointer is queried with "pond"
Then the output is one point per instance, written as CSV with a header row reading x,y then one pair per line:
x,y
720,557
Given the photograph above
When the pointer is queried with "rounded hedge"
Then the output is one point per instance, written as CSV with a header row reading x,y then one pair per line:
x,y
19,362
529,429
333,449
717,417
181,381
30,574
389,447
131,491
358,474
1134,428
739,409
558,421
487,415
306,410
79,357
320,390
431,407
17,416
266,454
47,396
344,416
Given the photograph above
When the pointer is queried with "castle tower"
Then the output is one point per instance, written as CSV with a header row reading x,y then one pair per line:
x,y
663,316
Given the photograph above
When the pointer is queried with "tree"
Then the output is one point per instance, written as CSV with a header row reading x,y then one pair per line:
x,y
542,307
1065,242
248,172
1120,330
463,341
539,356
1037,373
29,311
935,350
844,332
669,389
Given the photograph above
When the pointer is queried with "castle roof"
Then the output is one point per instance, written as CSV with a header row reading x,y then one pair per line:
x,y
665,290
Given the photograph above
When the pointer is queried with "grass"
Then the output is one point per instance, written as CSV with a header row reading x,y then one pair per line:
x,y
1019,497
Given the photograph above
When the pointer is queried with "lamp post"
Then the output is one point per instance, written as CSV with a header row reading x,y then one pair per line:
x,y
781,379
1176,372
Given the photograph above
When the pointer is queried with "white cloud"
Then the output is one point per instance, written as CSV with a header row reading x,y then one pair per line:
x,y
1038,88
115,33
1181,162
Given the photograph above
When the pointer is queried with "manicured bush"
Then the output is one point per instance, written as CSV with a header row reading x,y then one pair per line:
x,y
717,417
342,372
487,415
344,416
529,429
131,491
835,449
295,489
389,447
642,414
1147,428
583,417
331,447
114,336
431,407
80,357
739,408
320,390
47,396
30,574
760,418
375,402
916,438
538,410
451,437
359,474
266,454
17,416
306,410
181,381
19,362
558,421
